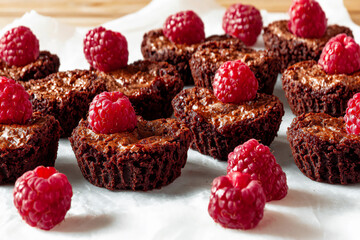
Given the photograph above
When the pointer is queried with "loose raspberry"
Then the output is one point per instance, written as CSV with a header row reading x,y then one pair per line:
x,y
105,50
19,46
341,54
243,22
184,27
236,201
352,116
234,82
256,159
111,112
42,197
307,19
15,105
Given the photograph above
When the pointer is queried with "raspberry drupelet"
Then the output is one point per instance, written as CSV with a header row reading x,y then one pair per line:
x,y
15,105
236,201
234,82
111,112
243,22
184,27
341,54
307,19
256,160
352,116
42,197
19,46
105,50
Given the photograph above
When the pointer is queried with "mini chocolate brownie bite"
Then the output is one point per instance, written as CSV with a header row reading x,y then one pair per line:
x,y
45,65
65,95
150,87
308,88
26,146
218,127
151,156
323,150
156,47
291,49
210,55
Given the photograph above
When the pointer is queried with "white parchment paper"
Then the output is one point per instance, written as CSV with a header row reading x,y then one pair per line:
x,y
311,210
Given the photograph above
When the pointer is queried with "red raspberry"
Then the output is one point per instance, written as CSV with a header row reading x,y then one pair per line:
x,y
307,19
184,27
111,112
236,201
352,116
243,22
234,82
105,50
341,54
42,197
19,46
257,160
15,105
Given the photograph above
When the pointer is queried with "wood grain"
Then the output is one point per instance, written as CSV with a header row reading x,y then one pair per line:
x,y
95,12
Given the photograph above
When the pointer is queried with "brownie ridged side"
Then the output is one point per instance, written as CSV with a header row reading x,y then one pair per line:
x,y
265,68
304,99
171,54
324,161
211,141
41,149
45,65
146,169
294,50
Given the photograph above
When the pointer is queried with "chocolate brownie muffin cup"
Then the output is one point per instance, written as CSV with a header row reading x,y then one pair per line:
x,y
66,96
323,150
149,157
150,87
156,47
45,65
308,88
210,55
291,49
218,127
26,146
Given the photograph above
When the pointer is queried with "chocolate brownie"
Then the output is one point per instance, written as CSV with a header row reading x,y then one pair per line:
x,y
219,127
155,46
292,49
150,87
66,95
308,88
322,149
26,146
46,64
210,55
151,156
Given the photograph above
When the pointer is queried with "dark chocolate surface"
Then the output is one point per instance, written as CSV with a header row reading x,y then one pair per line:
x,y
46,64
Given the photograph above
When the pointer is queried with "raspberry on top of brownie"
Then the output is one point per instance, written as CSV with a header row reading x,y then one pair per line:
x,y
303,36
325,86
21,58
230,115
116,149
27,139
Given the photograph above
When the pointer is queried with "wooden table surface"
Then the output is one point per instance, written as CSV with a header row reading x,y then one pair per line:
x,y
95,12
